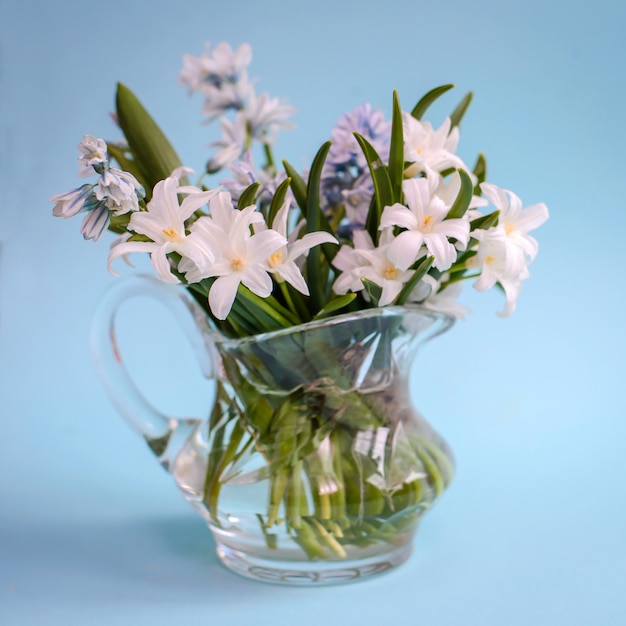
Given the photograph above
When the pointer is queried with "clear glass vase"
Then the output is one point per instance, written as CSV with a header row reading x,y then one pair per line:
x,y
313,466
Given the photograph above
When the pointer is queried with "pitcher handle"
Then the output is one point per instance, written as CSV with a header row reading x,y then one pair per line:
x,y
144,418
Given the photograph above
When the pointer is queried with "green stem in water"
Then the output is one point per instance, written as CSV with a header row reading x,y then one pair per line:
x,y
294,495
277,489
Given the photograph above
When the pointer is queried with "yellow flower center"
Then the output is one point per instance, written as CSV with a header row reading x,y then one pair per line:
x,y
427,220
172,234
509,228
238,264
275,259
391,273
489,259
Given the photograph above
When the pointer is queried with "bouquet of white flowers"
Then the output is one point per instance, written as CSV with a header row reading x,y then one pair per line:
x,y
388,216
388,213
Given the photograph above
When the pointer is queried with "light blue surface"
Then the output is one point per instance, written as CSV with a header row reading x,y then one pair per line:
x,y
533,529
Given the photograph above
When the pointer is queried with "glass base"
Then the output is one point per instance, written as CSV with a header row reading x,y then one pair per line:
x,y
311,573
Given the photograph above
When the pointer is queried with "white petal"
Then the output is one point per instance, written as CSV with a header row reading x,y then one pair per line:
x,y
398,215
290,272
532,217
257,280
443,251
391,289
120,248
405,248
457,228
195,201
161,265
310,240
95,223
262,244
222,295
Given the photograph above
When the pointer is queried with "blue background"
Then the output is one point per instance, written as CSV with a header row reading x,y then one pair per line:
x,y
533,529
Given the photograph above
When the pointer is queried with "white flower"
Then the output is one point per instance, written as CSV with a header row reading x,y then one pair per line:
x,y
164,224
203,244
498,262
237,256
244,174
115,192
374,264
425,222
119,190
83,200
382,269
282,261
94,156
218,100
223,65
232,144
427,150
70,203
349,261
517,221
265,116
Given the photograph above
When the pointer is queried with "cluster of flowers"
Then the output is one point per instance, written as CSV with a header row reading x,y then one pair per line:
x,y
116,192
416,248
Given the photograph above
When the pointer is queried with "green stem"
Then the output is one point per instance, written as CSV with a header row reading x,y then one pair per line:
x,y
277,490
288,299
270,157
294,495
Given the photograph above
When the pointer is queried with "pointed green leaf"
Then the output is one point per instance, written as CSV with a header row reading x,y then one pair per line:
x,y
299,189
317,271
485,221
464,197
298,186
480,171
420,272
420,108
373,290
459,112
248,195
154,154
335,305
383,194
278,200
396,151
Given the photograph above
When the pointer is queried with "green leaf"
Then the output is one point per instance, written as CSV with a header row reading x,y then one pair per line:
x,y
247,197
317,271
464,197
138,237
383,194
153,153
299,189
480,171
396,151
485,221
459,112
420,108
420,272
335,305
298,186
278,200
374,291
